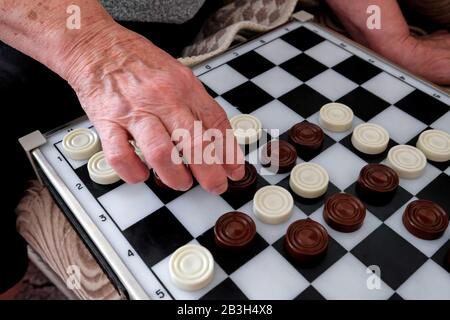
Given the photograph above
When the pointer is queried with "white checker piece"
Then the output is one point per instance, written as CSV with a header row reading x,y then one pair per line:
x,y
309,180
191,267
100,171
337,136
370,138
273,204
336,117
247,128
162,270
409,162
81,144
435,144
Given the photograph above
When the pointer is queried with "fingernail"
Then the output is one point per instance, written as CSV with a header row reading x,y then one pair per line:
x,y
187,187
221,189
238,174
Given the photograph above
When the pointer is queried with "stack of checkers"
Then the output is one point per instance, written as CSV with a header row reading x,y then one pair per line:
x,y
306,241
84,144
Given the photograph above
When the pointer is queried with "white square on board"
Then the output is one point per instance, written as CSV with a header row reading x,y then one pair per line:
x,y
347,280
275,115
443,123
414,186
198,210
268,276
328,53
331,84
278,51
430,282
388,87
222,79
130,203
276,82
427,247
401,126
342,165
230,110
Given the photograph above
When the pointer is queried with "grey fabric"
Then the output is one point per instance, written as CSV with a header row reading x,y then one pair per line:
x,y
169,11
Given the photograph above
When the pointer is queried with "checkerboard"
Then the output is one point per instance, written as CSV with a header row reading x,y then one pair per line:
x,y
282,78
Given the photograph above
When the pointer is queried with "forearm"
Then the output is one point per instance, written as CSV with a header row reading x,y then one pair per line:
x,y
39,29
353,15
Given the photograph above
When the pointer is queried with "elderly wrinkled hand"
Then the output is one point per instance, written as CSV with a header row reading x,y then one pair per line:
x,y
130,89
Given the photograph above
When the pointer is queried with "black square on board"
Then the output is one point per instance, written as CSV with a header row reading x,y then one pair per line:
x,y
327,142
395,297
166,195
438,191
226,290
364,104
309,206
334,252
357,70
247,97
304,100
369,158
210,91
96,189
441,256
251,64
303,67
302,38
384,211
310,293
156,236
231,261
238,200
440,165
395,256
422,106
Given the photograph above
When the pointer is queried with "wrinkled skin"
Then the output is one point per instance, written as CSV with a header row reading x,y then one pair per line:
x,y
428,56
130,89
